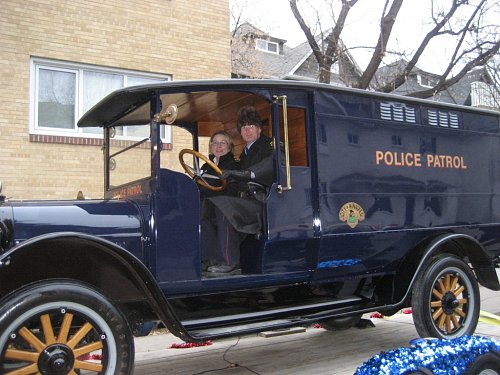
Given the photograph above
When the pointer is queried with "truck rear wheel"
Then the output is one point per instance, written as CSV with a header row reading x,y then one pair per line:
x,y
61,328
445,299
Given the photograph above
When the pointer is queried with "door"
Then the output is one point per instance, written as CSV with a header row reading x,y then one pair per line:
x,y
290,245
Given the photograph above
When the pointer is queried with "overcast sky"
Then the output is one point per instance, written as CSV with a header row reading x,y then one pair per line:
x,y
276,18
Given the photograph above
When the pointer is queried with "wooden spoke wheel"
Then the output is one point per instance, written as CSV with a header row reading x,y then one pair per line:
x,y
201,177
445,299
63,329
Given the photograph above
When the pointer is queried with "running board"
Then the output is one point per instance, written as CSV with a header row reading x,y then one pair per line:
x,y
243,329
242,324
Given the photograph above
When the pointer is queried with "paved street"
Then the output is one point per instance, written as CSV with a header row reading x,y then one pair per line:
x,y
315,351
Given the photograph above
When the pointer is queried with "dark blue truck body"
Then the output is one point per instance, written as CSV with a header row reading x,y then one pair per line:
x,y
379,202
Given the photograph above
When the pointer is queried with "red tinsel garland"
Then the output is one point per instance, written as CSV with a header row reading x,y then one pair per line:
x,y
377,315
185,345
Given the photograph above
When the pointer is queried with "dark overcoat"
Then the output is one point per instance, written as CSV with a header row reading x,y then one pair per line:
x,y
244,212
225,162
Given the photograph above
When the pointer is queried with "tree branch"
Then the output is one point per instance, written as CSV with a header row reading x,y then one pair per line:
x,y
401,77
480,60
334,49
307,31
385,31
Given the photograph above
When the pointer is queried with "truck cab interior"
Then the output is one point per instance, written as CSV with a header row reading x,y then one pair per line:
x,y
163,122
207,112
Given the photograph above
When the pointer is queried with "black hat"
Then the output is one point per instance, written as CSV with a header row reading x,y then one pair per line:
x,y
248,115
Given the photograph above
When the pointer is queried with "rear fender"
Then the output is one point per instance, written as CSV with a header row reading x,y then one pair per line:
x,y
461,245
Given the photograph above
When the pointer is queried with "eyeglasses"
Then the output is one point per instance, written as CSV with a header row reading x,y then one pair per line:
x,y
221,143
249,126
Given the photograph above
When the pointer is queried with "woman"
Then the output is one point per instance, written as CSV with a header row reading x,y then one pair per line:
x,y
221,153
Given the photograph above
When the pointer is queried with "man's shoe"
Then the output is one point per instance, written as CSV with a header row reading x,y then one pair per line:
x,y
231,269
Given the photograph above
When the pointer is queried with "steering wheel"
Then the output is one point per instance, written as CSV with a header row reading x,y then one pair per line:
x,y
201,177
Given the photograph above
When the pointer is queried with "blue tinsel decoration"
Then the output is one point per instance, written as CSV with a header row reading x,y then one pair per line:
x,y
442,357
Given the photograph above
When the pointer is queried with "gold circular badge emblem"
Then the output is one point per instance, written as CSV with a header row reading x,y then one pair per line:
x,y
351,213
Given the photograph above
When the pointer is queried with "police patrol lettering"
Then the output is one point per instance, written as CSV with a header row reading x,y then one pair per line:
x,y
128,191
409,159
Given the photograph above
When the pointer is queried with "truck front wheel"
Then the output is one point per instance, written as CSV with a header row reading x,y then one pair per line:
x,y
62,327
445,299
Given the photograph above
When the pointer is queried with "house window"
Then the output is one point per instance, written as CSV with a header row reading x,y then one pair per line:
x,y
424,81
62,92
335,68
56,97
266,46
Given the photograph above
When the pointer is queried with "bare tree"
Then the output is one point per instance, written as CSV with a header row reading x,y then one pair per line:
x,y
463,23
331,46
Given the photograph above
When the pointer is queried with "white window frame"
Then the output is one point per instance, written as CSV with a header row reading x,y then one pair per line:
x,y
38,63
335,68
267,43
420,79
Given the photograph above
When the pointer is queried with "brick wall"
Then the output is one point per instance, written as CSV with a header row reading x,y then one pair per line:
x,y
175,37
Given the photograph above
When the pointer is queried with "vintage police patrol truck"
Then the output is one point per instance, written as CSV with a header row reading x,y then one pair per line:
x,y
379,202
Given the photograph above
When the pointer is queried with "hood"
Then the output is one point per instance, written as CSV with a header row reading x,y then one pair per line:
x,y
117,221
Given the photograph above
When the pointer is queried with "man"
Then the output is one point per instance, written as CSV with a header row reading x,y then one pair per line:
x,y
235,217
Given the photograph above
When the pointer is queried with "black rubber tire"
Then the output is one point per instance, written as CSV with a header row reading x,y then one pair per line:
x,y
486,364
337,324
102,339
441,308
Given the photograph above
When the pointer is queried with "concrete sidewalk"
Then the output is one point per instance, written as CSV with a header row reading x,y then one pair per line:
x,y
315,351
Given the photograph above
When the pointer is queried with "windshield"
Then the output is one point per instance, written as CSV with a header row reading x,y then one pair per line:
x,y
198,115
130,160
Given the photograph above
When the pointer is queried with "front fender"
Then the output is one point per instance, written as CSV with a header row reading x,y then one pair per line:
x,y
121,276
